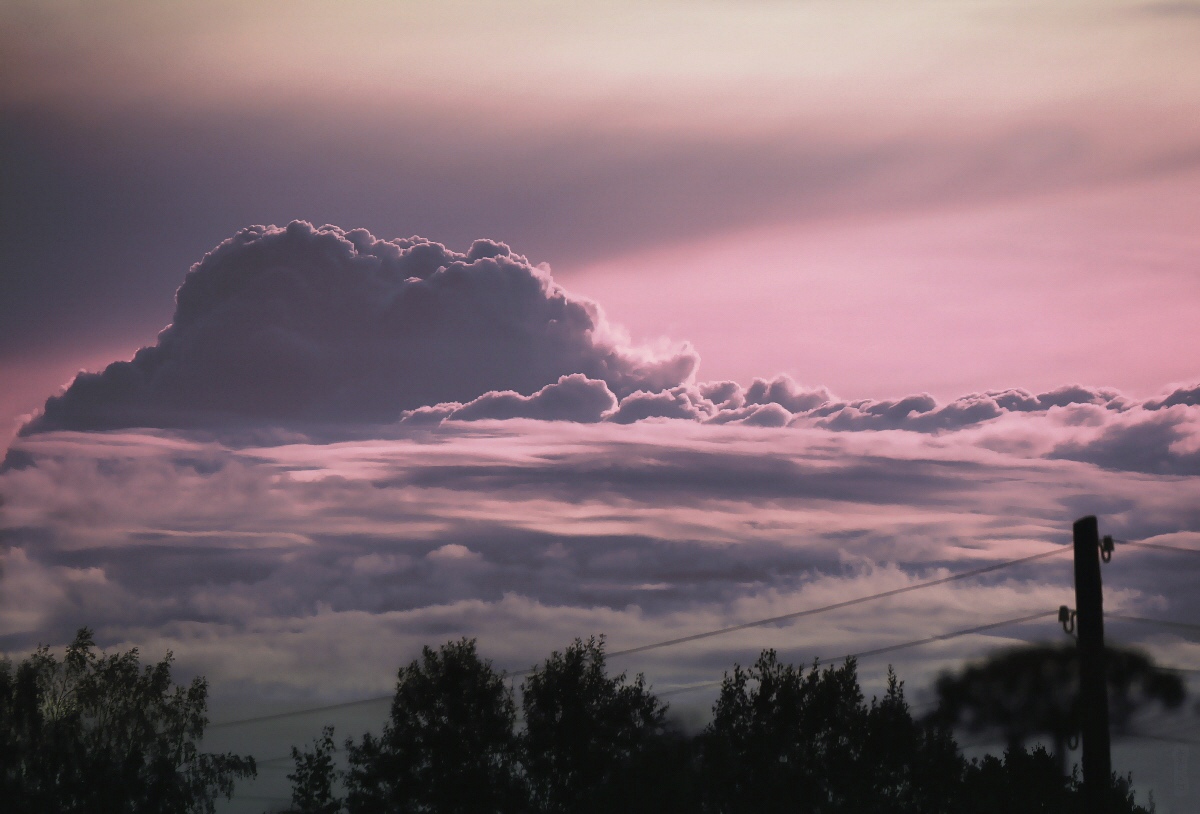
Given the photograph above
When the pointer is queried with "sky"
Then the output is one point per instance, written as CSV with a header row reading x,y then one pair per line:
x,y
329,330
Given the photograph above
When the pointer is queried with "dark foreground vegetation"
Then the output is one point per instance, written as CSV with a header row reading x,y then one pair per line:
x,y
94,733
782,739
102,735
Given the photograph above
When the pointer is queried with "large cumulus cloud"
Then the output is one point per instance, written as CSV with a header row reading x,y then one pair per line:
x,y
304,324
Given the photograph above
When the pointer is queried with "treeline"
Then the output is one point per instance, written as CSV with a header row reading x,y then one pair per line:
x,y
96,734
782,739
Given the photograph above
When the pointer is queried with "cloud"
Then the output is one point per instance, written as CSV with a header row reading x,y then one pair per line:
x,y
166,533
453,553
572,398
306,328
16,458
678,402
1189,396
1165,443
921,412
782,390
303,324
780,402
755,415
270,567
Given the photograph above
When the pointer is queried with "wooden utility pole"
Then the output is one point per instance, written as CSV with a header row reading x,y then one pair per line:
x,y
1093,684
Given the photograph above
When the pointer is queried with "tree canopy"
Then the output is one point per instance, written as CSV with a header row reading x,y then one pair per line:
x,y
99,734
585,732
1025,692
449,744
782,738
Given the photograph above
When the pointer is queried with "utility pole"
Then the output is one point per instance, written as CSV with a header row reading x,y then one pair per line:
x,y
1093,683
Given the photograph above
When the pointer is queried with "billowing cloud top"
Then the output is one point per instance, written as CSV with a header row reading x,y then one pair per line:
x,y
301,324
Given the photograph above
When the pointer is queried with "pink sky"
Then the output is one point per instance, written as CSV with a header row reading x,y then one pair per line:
x,y
1097,285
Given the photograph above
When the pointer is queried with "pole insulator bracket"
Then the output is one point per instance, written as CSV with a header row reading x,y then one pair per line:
x,y
1066,618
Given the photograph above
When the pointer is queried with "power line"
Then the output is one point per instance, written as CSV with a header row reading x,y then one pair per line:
x,y
903,646
838,605
890,648
296,713
697,636
979,629
1149,737
1176,724
1160,547
1162,622
864,654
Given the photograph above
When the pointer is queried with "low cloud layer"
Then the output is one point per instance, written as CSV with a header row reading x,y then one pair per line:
x,y
297,572
528,532
299,324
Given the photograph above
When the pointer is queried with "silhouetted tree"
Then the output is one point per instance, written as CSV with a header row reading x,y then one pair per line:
x,y
663,778
586,733
904,765
314,777
785,740
1029,691
94,733
781,739
1031,781
449,745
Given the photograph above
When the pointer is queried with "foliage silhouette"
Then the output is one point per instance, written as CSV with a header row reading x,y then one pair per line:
x,y
449,745
1029,691
585,732
315,776
782,738
1031,781
94,733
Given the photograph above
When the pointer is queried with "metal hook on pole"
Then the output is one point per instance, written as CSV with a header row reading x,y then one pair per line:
x,y
1106,548
1066,618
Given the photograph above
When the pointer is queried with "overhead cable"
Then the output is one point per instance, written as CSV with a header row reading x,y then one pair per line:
x,y
975,572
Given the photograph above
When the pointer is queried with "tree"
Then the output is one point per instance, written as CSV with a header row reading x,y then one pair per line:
x,y
905,766
1029,691
315,776
587,734
94,733
782,739
449,745
1032,783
